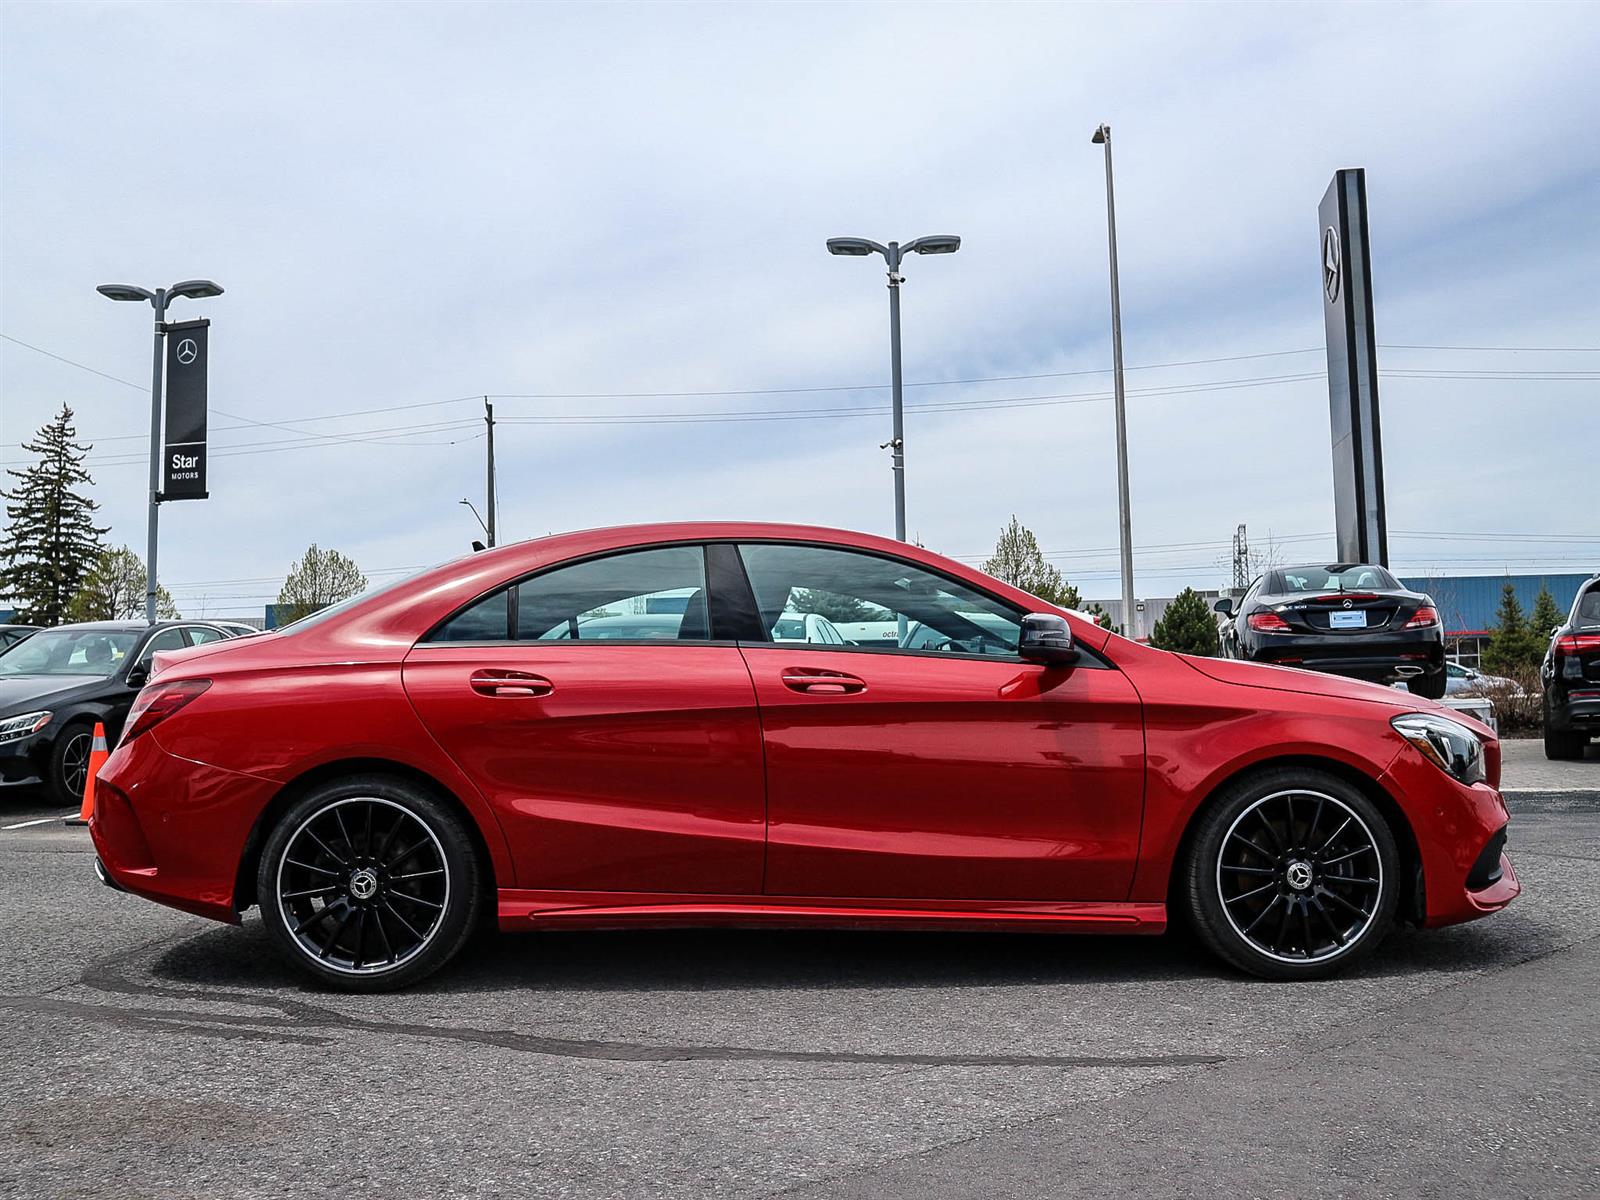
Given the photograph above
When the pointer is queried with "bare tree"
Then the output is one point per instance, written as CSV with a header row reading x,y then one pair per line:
x,y
320,578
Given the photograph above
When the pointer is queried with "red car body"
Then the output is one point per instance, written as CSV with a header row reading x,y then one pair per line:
x,y
680,783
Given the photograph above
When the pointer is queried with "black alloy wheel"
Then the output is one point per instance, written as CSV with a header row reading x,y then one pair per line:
x,y
69,763
1293,875
370,884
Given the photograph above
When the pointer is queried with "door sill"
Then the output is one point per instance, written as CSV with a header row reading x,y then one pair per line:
x,y
527,909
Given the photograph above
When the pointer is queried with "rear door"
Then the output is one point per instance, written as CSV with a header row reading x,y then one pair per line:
x,y
613,764
955,770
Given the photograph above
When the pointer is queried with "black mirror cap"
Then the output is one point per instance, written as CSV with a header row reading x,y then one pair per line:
x,y
1224,606
1046,638
138,675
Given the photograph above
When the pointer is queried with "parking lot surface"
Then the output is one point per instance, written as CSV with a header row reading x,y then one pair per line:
x,y
147,1053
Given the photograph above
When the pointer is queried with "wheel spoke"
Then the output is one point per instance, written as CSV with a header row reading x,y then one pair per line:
x,y
1251,870
383,934
1346,856
359,938
338,931
1335,836
326,849
400,858
1322,912
1305,927
417,874
1343,903
308,922
1316,819
1265,887
1239,837
338,819
415,899
1352,879
1261,916
316,891
395,913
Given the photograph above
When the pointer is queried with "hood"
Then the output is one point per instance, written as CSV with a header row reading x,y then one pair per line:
x,y
1306,683
23,693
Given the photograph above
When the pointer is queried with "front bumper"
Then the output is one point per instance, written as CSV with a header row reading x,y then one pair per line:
x,y
171,829
1458,830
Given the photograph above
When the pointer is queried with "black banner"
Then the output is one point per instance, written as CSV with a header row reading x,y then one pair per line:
x,y
1360,520
183,465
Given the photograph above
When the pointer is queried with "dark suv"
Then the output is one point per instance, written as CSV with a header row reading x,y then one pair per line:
x,y
1571,676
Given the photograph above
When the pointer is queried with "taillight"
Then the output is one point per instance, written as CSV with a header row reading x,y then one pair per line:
x,y
157,702
1577,643
1424,618
1267,622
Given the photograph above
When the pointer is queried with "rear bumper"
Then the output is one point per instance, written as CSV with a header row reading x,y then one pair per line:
x,y
1575,710
172,830
1460,832
1379,658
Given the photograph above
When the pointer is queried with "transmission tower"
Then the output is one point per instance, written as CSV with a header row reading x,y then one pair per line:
x,y
1241,560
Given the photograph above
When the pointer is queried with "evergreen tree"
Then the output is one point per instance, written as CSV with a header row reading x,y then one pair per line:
x,y
836,608
1513,645
51,539
1187,626
1101,617
1545,619
1018,561
321,578
115,590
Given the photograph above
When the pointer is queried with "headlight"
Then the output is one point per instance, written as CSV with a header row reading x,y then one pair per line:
x,y
14,729
1450,745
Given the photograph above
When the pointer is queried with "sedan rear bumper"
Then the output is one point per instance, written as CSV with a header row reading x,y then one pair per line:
x,y
171,830
1379,659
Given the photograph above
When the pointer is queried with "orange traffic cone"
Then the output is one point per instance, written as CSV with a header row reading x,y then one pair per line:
x,y
98,753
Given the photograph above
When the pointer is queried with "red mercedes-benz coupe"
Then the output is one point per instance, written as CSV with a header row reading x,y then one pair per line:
x,y
639,726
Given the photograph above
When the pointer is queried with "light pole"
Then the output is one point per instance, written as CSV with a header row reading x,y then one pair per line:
x,y
1130,618
192,289
893,254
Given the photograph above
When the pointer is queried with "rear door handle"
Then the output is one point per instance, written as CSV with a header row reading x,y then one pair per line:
x,y
493,682
817,682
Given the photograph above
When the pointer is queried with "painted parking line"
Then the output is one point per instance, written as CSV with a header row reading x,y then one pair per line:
x,y
40,821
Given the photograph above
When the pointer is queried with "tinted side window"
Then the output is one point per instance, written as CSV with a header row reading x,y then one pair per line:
x,y
644,595
199,635
167,639
489,620
923,610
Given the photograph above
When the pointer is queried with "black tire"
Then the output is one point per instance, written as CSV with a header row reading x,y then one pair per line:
x,y
1560,746
393,868
1309,860
69,763
1430,687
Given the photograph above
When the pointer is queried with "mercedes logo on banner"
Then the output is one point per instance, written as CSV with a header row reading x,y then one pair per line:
x,y
1332,264
187,351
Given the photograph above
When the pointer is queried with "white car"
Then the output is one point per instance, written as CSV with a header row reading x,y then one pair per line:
x,y
806,627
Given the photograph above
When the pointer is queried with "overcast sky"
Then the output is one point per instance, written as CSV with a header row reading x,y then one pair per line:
x,y
412,204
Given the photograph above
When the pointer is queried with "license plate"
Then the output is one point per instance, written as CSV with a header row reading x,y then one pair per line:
x,y
1347,620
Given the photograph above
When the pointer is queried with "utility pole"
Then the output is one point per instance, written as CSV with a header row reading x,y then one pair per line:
x,y
488,417
1241,560
1130,625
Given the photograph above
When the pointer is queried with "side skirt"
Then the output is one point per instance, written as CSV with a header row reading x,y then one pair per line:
x,y
525,909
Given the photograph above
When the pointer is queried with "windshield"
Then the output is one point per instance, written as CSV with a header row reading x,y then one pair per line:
x,y
1335,578
95,653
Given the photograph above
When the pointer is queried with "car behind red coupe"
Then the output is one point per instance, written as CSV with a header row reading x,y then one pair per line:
x,y
601,729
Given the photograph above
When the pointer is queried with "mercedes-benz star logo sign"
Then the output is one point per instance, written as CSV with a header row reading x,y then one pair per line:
x,y
1348,603
187,351
1332,264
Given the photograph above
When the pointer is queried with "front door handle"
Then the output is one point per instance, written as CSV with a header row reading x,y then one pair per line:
x,y
813,681
494,682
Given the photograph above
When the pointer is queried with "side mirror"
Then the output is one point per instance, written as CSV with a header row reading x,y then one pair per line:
x,y
1046,638
1224,606
139,674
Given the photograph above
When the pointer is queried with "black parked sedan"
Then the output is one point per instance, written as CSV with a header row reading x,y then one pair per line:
x,y
1344,618
58,682
1570,674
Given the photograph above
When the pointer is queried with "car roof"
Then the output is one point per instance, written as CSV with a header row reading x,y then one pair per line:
x,y
125,626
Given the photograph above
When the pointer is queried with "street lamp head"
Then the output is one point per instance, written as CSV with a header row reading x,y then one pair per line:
x,y
853,247
124,291
940,243
195,289
1101,135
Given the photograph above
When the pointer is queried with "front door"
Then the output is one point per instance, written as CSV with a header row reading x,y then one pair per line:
x,y
617,743
934,763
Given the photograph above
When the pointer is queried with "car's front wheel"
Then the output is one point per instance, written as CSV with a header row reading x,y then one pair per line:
x,y
369,883
69,764
1292,874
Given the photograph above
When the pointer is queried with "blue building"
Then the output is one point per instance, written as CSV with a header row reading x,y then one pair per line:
x,y
1467,604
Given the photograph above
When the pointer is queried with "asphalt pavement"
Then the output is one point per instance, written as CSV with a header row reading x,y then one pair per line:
x,y
146,1053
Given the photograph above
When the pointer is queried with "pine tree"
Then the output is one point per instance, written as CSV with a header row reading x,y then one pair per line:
x,y
1101,617
321,578
1513,645
1545,620
1018,561
114,590
51,539
1187,626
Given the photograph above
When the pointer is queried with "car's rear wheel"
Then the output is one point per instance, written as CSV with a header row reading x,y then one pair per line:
x,y
1292,874
1431,687
69,764
370,883
1561,746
